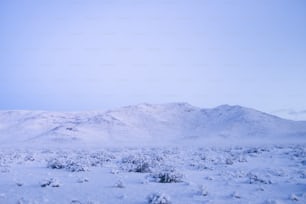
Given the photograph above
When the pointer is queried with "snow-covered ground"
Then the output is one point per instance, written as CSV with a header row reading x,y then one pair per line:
x,y
265,174
171,153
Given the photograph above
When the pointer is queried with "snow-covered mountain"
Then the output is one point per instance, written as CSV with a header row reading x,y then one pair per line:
x,y
145,124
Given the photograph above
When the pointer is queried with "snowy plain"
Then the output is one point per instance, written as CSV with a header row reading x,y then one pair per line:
x,y
169,153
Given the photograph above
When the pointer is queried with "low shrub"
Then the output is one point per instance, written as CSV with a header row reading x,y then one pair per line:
x,y
158,198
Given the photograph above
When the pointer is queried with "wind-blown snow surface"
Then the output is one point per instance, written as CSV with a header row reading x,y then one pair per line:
x,y
155,154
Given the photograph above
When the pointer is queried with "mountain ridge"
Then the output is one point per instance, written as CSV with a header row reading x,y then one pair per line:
x,y
147,124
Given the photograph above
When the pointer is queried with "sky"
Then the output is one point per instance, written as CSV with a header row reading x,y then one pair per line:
x,y
69,55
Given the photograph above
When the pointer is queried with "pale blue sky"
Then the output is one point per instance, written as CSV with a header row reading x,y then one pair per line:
x,y
101,54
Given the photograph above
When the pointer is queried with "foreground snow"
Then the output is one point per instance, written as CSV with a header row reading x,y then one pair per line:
x,y
240,174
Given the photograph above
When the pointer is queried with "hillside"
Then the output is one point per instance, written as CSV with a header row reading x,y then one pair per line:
x,y
148,124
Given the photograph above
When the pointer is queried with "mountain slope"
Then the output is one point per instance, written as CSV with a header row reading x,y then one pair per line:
x,y
142,124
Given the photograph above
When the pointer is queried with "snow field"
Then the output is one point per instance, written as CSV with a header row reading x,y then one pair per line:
x,y
258,174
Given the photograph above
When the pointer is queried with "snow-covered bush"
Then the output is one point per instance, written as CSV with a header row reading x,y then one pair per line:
x,y
256,150
294,197
299,152
82,180
29,158
158,198
254,178
56,163
236,195
140,163
100,158
119,184
203,190
68,164
50,182
75,166
142,167
168,176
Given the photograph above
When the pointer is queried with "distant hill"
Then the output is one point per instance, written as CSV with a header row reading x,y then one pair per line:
x,y
147,124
